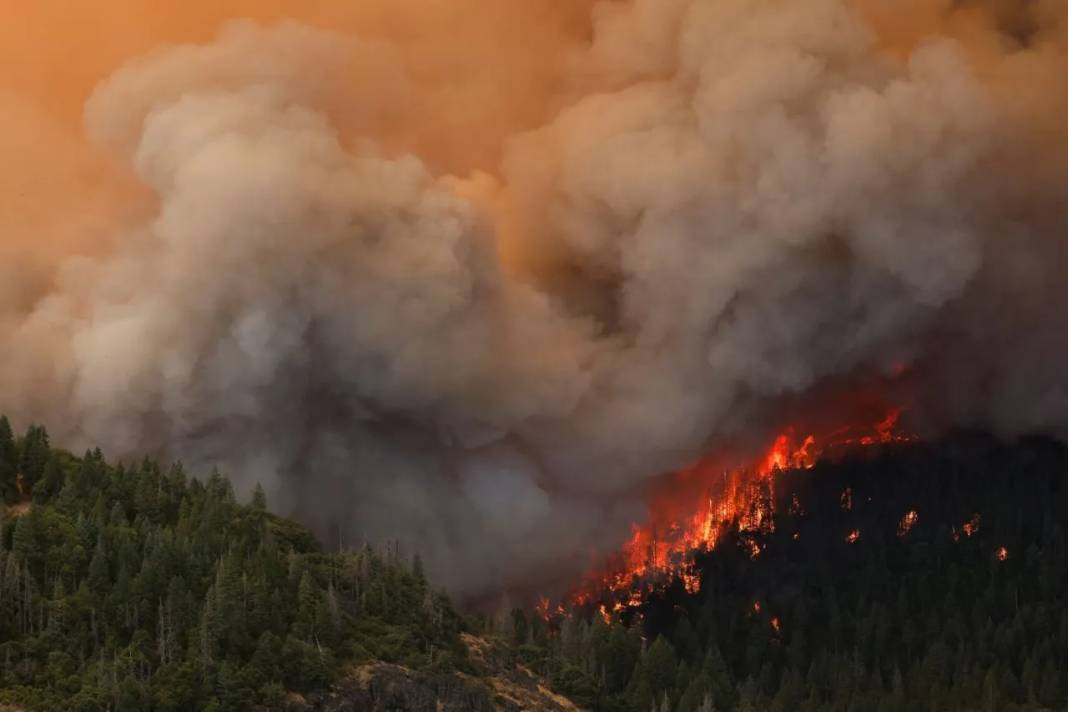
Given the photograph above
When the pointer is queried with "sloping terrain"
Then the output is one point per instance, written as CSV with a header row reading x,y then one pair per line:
x,y
497,684
914,577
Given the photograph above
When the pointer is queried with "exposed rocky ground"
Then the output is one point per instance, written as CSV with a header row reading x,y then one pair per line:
x,y
499,685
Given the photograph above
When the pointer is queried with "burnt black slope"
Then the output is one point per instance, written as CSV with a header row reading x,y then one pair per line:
x,y
928,619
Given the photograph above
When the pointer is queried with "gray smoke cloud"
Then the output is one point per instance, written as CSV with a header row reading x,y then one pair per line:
x,y
734,204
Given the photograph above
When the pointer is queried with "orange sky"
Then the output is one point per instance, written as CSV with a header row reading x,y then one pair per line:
x,y
55,51
487,68
504,60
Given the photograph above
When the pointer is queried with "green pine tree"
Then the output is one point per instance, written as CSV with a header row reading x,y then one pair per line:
x,y
660,666
259,498
33,456
8,462
51,481
309,597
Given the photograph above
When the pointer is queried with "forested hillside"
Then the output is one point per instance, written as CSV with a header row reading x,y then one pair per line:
x,y
929,577
137,588
918,577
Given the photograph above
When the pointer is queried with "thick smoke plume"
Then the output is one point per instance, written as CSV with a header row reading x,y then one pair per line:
x,y
472,274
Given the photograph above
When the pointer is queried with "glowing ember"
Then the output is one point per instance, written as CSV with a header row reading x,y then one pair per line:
x,y
731,499
853,536
756,606
751,546
542,609
971,526
847,499
907,522
1001,554
775,625
691,581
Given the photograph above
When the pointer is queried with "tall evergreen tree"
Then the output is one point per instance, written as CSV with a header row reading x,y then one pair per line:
x,y
659,666
309,598
259,498
51,482
33,456
8,462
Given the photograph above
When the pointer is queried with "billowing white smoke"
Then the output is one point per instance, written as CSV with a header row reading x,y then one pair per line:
x,y
739,201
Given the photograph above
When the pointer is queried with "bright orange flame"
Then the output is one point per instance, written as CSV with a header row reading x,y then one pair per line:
x,y
739,499
852,536
907,522
775,625
1001,554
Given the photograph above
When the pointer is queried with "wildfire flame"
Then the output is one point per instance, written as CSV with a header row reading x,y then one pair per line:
x,y
907,522
734,499
970,528
691,580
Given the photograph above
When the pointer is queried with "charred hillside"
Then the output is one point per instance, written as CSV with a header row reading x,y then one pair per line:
x,y
916,576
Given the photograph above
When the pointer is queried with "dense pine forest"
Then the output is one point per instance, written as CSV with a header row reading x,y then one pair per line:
x,y
915,577
927,577
141,588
